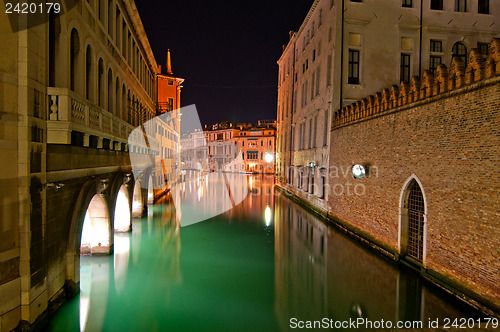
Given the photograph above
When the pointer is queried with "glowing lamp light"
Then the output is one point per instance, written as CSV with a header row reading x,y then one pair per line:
x,y
268,157
358,171
267,215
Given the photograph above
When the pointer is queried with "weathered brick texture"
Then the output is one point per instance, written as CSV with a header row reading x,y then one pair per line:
x,y
450,140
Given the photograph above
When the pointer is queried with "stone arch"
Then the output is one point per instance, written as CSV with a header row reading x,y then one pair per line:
x,y
412,237
90,189
96,235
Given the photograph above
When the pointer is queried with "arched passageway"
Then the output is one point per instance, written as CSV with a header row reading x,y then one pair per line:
x,y
96,228
122,211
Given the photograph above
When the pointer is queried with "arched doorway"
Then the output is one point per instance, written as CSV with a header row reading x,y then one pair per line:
x,y
122,211
413,219
96,228
137,200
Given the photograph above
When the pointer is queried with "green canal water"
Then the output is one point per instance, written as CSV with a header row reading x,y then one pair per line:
x,y
252,268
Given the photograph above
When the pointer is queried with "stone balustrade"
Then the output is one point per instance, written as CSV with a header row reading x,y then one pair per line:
x,y
479,68
68,112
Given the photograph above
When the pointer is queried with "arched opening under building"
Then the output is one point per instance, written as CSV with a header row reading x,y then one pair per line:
x,y
122,211
137,200
413,222
96,228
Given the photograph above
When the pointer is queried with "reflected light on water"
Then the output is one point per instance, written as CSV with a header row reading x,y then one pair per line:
x,y
251,183
121,257
267,215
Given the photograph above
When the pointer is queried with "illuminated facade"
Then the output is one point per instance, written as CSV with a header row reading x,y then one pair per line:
x,y
72,88
257,146
347,50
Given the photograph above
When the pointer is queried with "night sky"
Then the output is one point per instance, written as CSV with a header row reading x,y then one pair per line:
x,y
226,50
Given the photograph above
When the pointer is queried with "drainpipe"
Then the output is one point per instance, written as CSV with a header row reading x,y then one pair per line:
x,y
341,57
420,42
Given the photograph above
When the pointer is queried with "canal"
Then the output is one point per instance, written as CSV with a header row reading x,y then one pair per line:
x,y
252,268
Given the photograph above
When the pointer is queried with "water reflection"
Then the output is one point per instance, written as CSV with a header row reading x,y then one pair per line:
x,y
251,268
319,272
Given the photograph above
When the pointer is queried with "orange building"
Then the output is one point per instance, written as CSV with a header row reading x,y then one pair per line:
x,y
168,89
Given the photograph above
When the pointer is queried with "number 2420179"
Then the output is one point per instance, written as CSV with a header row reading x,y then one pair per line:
x,y
32,8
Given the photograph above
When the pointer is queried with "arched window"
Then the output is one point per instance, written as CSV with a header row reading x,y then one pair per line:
x,y
124,103
88,73
110,91
74,55
116,110
413,222
110,18
459,51
100,83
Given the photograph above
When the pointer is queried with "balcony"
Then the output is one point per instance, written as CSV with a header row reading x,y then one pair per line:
x,y
68,112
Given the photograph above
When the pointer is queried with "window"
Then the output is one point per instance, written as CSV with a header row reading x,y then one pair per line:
x,y
353,71
483,48
325,128
331,4
317,80
74,53
407,3
483,6
459,51
434,61
356,0
437,4
312,84
329,70
436,46
405,68
461,5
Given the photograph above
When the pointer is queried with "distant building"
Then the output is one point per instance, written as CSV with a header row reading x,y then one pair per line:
x,y
257,146
221,146
167,123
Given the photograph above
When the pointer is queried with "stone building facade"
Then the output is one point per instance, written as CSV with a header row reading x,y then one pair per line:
x,y
257,149
431,194
71,91
346,50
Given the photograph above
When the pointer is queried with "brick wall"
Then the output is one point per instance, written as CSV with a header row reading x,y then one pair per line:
x,y
449,140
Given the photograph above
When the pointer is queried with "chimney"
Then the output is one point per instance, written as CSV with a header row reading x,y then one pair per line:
x,y
169,64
